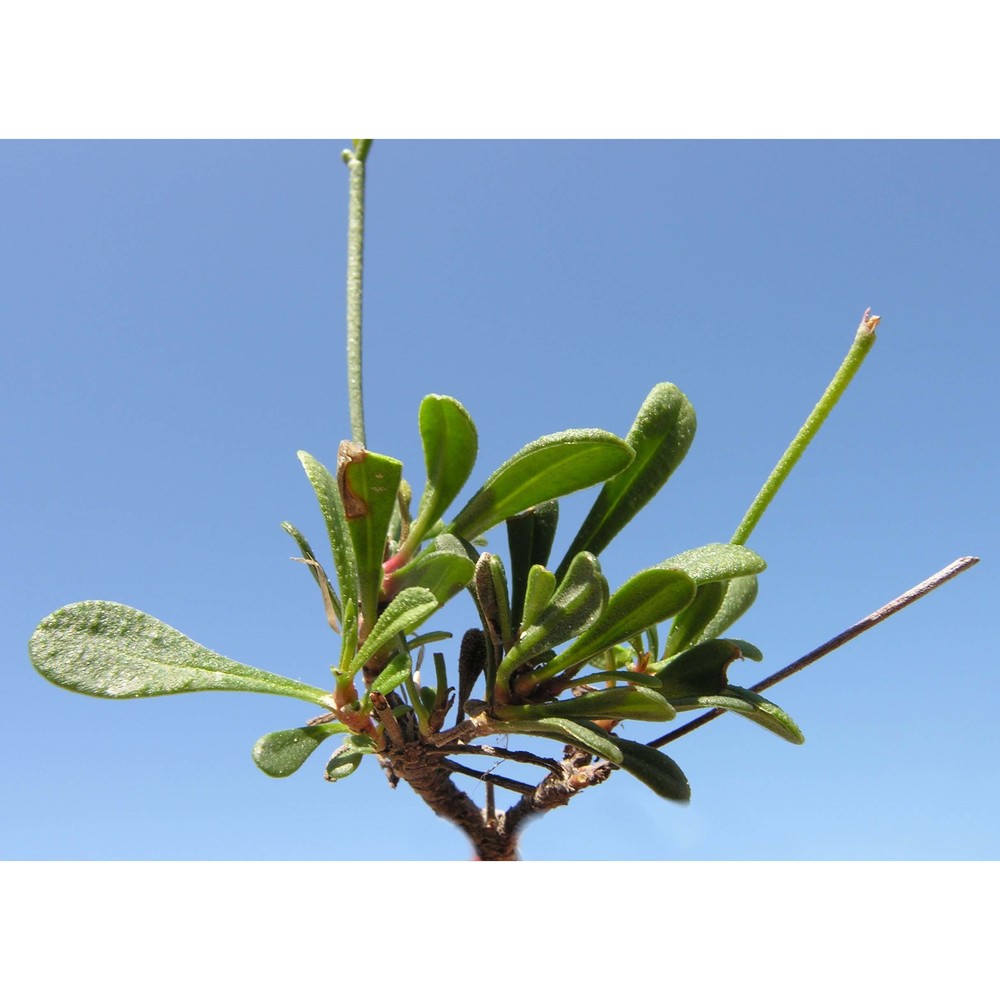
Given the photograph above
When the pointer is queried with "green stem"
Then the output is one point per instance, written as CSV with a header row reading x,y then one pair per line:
x,y
863,341
355,160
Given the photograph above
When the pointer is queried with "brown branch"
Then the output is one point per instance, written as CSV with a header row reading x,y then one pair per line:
x,y
904,600
577,773
521,787
519,756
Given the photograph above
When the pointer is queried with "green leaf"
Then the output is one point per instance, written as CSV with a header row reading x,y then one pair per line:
x,y
450,445
426,638
751,706
655,769
331,604
710,566
584,735
284,752
347,757
396,671
717,561
113,651
740,594
660,437
405,612
576,604
617,677
368,485
689,626
349,646
640,703
647,598
702,669
442,572
491,595
332,507
550,467
530,535
540,588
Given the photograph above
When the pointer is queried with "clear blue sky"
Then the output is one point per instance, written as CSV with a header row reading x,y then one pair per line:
x,y
172,317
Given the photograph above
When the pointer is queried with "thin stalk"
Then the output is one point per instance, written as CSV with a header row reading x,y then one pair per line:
x,y
904,600
355,160
863,341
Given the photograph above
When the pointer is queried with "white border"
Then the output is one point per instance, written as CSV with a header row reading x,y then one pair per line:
x,y
544,68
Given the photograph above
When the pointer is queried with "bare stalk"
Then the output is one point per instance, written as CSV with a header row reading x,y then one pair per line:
x,y
355,160
904,600
864,338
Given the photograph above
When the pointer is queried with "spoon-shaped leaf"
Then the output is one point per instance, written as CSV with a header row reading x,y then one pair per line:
x,y
442,572
284,752
647,598
702,669
408,610
660,437
550,467
640,703
576,604
450,444
348,756
113,651
655,769
332,507
368,485
529,537
717,561
751,706
541,585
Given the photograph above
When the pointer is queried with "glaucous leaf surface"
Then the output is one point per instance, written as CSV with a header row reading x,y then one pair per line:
x,y
112,651
282,753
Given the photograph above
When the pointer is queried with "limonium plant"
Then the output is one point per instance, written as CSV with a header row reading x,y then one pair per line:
x,y
552,652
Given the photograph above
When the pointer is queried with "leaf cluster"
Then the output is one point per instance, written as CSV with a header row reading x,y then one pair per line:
x,y
554,652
